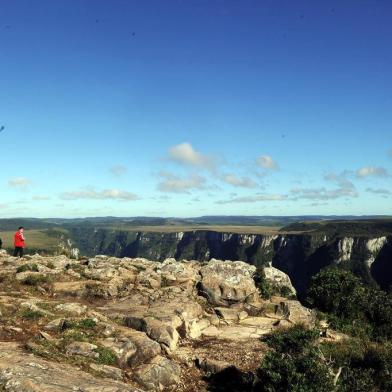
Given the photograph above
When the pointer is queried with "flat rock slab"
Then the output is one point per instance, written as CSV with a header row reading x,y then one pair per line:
x,y
243,332
21,372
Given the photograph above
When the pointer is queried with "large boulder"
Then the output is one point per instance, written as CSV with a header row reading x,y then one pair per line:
x,y
24,373
227,282
279,279
131,347
159,374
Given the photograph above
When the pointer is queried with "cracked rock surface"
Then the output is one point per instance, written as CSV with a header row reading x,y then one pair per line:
x,y
110,324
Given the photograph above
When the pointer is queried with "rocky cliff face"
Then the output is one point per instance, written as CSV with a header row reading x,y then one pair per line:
x,y
132,325
298,255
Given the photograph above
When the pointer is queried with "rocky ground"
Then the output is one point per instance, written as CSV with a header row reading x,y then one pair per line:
x,y
109,324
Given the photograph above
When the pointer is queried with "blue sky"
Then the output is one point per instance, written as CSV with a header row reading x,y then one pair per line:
x,y
187,108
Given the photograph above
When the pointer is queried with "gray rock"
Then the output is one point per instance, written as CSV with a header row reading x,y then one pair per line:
x,y
82,348
227,282
24,373
73,308
279,279
108,371
160,373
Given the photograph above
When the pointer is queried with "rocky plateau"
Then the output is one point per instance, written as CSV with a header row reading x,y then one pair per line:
x,y
131,324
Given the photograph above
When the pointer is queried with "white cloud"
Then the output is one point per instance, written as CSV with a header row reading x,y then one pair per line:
x,y
185,154
266,162
243,182
253,199
118,170
19,182
372,171
175,184
106,194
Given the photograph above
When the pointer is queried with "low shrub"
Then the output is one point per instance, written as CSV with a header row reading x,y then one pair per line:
x,y
31,314
35,280
366,366
294,364
27,267
87,323
106,356
263,285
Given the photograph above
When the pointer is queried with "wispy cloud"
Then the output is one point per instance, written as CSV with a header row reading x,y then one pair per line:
x,y
341,179
322,193
372,171
253,199
19,182
106,194
242,182
344,188
175,184
185,154
379,191
266,162
118,170
40,198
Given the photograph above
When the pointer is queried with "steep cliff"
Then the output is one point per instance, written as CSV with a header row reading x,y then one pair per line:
x,y
298,255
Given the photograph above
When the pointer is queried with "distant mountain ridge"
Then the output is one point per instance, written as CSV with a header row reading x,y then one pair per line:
x,y
262,220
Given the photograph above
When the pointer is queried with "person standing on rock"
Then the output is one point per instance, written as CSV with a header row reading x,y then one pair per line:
x,y
19,242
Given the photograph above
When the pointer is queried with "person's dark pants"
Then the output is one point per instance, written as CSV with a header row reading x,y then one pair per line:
x,y
18,251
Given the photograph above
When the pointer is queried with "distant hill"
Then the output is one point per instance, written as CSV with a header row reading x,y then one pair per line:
x,y
288,223
365,227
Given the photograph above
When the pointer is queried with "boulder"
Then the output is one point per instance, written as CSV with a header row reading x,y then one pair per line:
x,y
22,373
227,282
131,347
82,348
160,373
295,312
107,371
55,325
72,308
74,289
279,279
227,314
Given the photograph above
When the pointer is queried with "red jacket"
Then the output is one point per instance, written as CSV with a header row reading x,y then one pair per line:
x,y
19,240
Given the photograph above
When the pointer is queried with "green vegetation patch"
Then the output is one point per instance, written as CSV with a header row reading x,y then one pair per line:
x,y
106,356
84,324
365,366
27,267
35,280
294,364
31,314
267,289
350,306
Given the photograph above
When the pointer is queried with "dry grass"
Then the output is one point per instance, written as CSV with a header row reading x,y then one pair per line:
x,y
35,239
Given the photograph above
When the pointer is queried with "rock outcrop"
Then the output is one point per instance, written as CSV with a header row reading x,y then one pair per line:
x,y
299,255
111,324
